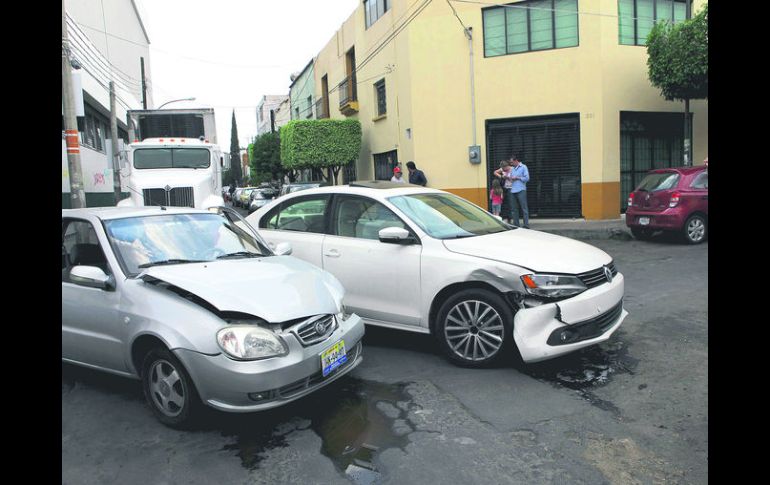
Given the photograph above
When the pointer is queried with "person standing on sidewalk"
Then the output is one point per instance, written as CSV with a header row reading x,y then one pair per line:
x,y
502,174
397,176
519,176
416,176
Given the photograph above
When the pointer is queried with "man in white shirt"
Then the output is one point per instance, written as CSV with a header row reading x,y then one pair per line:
x,y
397,176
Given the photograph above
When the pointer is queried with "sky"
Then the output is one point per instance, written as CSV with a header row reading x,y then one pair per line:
x,y
229,53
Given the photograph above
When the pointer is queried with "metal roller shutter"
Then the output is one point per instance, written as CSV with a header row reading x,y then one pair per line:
x,y
550,148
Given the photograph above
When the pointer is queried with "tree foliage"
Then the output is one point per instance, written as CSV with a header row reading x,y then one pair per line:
x,y
320,144
235,154
678,58
265,157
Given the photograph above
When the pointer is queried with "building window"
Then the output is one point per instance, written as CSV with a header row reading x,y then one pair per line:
x,y
95,130
374,9
296,113
637,17
379,90
309,107
530,26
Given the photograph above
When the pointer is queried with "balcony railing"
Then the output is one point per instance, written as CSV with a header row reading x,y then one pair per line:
x,y
320,109
348,94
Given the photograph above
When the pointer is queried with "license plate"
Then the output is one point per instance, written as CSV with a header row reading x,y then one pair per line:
x,y
644,221
333,357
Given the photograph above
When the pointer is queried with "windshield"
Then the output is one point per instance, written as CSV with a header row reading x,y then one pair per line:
x,y
172,158
446,216
140,242
659,181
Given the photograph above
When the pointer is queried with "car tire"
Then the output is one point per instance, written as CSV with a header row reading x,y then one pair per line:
x,y
468,333
642,234
695,230
169,390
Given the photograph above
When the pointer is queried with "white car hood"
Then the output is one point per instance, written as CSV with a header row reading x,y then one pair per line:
x,y
535,250
275,288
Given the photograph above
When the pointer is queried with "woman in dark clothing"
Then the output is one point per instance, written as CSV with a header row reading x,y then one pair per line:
x,y
505,208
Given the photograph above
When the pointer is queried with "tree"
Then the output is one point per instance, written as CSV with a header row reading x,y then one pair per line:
x,y
678,63
235,154
265,157
320,144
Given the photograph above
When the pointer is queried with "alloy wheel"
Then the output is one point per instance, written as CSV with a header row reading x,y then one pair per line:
x,y
166,388
474,330
696,229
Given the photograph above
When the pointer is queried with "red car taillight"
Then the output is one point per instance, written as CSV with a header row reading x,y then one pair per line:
x,y
630,199
674,199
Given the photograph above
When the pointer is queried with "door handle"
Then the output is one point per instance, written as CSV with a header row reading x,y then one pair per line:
x,y
332,253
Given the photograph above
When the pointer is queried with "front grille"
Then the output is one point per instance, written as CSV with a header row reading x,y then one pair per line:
x,y
173,197
587,329
315,329
597,277
309,382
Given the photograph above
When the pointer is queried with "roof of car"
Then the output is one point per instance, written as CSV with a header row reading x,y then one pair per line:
x,y
106,213
682,170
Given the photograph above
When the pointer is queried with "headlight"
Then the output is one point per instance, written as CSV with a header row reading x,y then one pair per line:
x,y
553,286
247,342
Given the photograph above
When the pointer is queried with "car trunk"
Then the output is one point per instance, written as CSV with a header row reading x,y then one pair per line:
x,y
654,192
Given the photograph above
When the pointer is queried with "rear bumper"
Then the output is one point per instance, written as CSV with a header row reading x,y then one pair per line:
x,y
669,219
589,318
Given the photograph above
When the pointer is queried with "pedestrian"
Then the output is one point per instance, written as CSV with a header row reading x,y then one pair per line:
x,y
416,176
519,176
231,190
502,175
397,176
496,196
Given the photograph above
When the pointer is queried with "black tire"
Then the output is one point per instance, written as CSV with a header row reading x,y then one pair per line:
x,y
641,233
695,230
494,329
160,361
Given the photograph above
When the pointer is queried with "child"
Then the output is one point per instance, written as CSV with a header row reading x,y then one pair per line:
x,y
496,195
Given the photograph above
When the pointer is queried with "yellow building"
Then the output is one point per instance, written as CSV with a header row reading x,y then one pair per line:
x,y
561,83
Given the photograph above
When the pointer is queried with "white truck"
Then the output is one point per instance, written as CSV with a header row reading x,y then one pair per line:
x,y
174,159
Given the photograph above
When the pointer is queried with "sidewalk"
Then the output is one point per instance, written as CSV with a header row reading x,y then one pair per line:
x,y
583,229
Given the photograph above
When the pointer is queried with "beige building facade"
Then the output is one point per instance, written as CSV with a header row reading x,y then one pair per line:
x,y
561,83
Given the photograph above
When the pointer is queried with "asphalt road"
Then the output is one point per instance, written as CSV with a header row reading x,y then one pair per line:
x,y
632,410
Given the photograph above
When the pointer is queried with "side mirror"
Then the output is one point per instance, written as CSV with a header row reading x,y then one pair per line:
x,y
282,249
395,235
91,276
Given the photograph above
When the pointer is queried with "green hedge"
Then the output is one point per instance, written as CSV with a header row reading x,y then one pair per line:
x,y
322,143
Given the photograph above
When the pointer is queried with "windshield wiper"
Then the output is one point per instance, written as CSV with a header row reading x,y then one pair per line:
x,y
171,261
460,236
239,254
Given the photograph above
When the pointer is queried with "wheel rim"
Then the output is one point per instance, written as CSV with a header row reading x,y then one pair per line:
x,y
474,330
696,229
166,388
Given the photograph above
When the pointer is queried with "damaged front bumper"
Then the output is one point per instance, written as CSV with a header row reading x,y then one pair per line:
x,y
554,329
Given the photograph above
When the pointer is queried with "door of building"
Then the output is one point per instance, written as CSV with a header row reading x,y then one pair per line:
x,y
550,148
384,163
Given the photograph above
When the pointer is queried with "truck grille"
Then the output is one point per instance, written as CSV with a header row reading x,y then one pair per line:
x,y
315,329
172,197
597,277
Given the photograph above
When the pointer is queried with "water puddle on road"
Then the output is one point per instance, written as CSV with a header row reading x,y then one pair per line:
x,y
586,369
356,419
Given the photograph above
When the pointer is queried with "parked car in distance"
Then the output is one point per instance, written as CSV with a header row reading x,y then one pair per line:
x,y
243,199
296,187
260,197
226,193
237,196
195,305
427,261
672,200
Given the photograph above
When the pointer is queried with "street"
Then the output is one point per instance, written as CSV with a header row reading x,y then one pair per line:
x,y
632,410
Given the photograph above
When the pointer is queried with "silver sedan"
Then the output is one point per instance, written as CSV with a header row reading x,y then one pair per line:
x,y
197,306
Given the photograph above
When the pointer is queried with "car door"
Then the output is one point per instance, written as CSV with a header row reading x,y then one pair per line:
x,y
92,332
382,280
300,221
699,193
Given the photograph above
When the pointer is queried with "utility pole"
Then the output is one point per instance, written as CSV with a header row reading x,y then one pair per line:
x,y
115,150
272,121
144,85
687,127
77,194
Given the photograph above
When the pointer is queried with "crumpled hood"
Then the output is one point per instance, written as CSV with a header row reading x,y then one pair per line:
x,y
539,251
275,288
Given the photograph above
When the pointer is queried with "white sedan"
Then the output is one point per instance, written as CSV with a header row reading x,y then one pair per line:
x,y
425,260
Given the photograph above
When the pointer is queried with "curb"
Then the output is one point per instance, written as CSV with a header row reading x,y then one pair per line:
x,y
588,234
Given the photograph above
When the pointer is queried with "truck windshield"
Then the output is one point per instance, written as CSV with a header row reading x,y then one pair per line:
x,y
172,158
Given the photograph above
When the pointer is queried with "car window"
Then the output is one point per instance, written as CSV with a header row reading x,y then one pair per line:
x,y
364,218
659,181
305,214
701,181
80,246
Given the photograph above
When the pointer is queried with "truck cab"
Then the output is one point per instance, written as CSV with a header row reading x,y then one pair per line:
x,y
180,172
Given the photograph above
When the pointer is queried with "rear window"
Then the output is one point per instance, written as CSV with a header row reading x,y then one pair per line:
x,y
659,181
701,181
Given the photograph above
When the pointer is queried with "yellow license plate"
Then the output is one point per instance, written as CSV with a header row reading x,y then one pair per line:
x,y
333,357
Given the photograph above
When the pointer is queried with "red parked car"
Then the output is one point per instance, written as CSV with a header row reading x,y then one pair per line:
x,y
671,199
